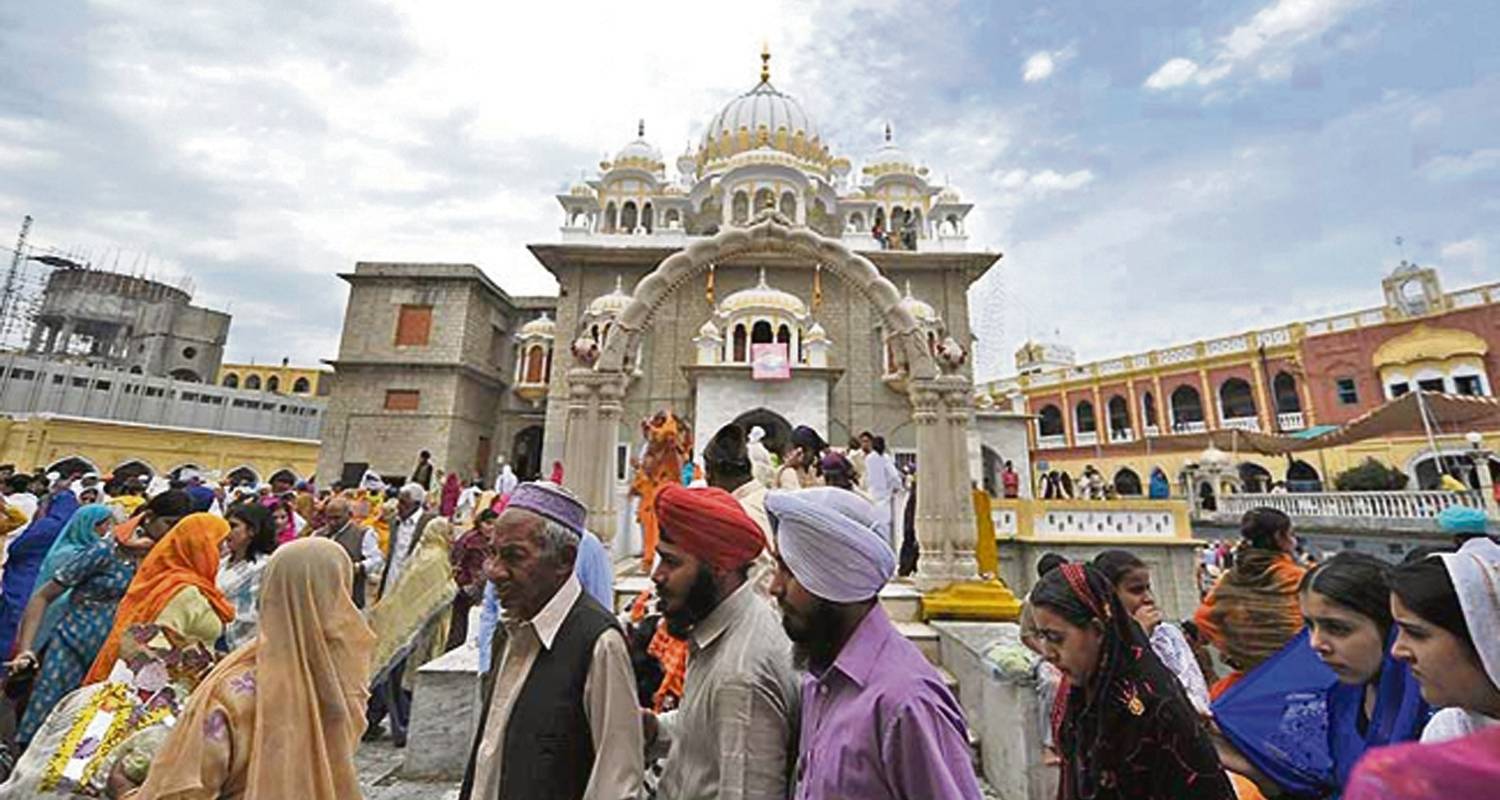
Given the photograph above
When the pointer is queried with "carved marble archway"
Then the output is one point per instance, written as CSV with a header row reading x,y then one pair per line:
x,y
941,403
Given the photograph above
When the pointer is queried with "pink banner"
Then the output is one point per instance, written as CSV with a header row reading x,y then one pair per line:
x,y
769,362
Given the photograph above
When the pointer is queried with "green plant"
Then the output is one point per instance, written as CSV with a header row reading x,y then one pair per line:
x,y
1370,476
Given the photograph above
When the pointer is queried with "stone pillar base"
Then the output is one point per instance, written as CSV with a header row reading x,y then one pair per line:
x,y
979,600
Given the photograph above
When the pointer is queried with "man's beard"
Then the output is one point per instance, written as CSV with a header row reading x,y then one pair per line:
x,y
702,598
813,642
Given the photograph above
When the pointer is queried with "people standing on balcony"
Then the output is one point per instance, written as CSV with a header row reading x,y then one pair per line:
x,y
1338,679
1450,482
1010,482
869,698
1447,611
1128,730
731,736
1160,488
1132,581
1253,611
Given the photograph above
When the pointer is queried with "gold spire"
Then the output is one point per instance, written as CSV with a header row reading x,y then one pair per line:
x,y
640,128
765,62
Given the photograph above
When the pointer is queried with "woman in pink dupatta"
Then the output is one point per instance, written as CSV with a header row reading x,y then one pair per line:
x,y
1458,770
451,491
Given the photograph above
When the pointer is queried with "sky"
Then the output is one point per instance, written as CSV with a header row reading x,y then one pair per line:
x,y
1152,172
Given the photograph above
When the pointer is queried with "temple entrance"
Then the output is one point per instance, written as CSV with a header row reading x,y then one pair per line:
x,y
778,430
526,453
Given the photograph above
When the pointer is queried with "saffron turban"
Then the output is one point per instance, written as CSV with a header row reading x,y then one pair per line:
x,y
826,537
710,525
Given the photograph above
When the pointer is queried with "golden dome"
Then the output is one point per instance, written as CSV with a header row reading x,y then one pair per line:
x,y
543,327
763,297
763,116
639,153
1425,343
610,305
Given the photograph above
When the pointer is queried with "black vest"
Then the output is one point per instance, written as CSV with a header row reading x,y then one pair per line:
x,y
352,539
548,750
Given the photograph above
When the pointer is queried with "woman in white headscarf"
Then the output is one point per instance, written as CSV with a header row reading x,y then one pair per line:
x,y
760,458
1447,610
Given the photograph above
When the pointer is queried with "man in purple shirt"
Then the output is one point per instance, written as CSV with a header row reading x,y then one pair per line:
x,y
877,721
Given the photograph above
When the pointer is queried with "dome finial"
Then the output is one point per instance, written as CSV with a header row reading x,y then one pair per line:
x,y
763,284
640,128
765,62
887,131
619,284
908,287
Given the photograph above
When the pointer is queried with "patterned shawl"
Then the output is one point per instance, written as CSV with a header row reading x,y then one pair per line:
x,y
1253,611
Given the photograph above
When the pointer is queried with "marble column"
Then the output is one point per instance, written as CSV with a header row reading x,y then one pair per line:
x,y
945,511
594,409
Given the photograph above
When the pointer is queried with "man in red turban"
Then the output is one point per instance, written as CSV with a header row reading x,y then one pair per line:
x,y
732,734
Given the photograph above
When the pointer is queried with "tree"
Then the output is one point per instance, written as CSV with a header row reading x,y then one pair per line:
x,y
1371,476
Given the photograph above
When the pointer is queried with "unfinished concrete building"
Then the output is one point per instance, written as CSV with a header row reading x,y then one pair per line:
x,y
117,320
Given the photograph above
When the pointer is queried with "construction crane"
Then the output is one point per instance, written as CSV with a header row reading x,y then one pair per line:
x,y
8,304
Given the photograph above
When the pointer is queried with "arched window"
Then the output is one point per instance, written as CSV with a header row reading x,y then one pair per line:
x,y
1148,409
880,218
784,335
534,365
628,217
1049,421
1187,406
740,208
764,199
789,205
857,221
741,345
1236,400
916,220
231,381
1284,386
253,383
1127,483
273,384
760,333
1084,416
610,214
301,386
647,217
672,218
1119,414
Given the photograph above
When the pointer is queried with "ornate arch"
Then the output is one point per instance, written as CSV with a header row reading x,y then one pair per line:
x,y
770,231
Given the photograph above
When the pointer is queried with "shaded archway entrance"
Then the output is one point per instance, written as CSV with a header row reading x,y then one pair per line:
x,y
778,430
1254,477
1127,483
941,402
72,466
526,453
1301,477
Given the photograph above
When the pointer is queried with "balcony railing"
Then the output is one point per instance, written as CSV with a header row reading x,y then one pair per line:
x,y
1190,427
1086,439
1291,421
1152,430
1056,442
1250,424
1121,435
1380,505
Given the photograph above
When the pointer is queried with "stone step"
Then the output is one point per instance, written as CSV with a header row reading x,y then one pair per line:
x,y
924,636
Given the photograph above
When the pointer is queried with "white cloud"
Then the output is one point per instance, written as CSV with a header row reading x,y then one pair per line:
x,y
1468,250
1263,42
1047,180
1458,167
1043,63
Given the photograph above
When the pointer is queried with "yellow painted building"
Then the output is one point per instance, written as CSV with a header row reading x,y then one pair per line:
x,y
38,441
281,378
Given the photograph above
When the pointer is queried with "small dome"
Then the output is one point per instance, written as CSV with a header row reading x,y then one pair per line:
x,y
581,189
610,305
922,312
762,296
949,195
542,327
639,152
1213,457
816,333
708,330
889,158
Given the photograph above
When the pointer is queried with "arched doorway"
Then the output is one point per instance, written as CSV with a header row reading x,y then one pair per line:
x,y
526,453
1429,470
778,430
71,466
1255,478
243,476
1128,483
1301,477
176,472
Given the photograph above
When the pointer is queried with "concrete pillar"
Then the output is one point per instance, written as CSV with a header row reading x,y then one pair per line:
x,y
945,512
62,338
37,331
1481,460
595,404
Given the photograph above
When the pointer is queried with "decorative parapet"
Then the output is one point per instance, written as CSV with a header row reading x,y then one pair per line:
x,y
1102,521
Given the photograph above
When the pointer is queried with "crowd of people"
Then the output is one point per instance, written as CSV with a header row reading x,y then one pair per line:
x,y
182,639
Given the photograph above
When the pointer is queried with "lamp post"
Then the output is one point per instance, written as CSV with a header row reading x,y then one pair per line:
x,y
1479,458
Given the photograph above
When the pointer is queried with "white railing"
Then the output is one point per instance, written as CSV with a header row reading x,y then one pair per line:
x,y
1086,439
1381,505
1121,435
1190,427
1051,442
1250,424
1152,430
1291,421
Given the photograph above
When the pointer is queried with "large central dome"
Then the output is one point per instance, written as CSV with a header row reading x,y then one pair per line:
x,y
763,117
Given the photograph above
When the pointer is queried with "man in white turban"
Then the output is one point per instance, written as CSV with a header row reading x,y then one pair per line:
x,y
870,697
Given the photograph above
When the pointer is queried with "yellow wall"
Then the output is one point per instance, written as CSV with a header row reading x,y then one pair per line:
x,y
1398,452
36,441
287,376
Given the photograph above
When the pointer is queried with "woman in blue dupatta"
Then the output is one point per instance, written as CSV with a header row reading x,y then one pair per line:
x,y
87,525
24,557
1300,721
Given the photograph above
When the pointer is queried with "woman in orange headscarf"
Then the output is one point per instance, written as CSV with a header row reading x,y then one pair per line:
x,y
175,587
283,732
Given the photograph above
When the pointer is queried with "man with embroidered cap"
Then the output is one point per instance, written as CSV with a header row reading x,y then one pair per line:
x,y
558,717
877,720
731,736
1463,523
